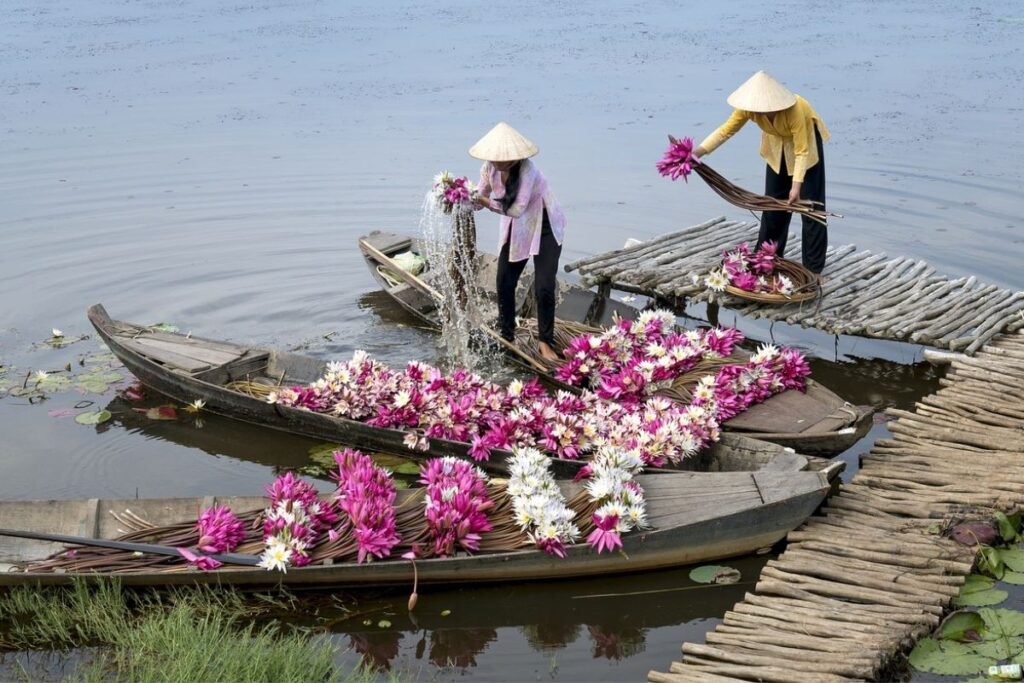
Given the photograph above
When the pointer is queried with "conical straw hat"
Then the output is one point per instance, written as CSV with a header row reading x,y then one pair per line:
x,y
761,93
503,143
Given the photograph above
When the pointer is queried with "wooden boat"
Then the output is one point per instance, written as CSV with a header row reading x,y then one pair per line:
x,y
816,421
188,368
695,517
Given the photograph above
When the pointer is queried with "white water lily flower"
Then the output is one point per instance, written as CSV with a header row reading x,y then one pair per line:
x,y
613,508
411,440
276,556
41,375
198,404
515,387
402,399
784,285
716,280
766,352
57,333
655,350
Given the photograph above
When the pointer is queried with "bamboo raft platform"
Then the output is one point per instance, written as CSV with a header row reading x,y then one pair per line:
x,y
865,294
858,585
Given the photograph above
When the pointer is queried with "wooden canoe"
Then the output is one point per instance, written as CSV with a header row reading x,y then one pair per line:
x,y
816,421
695,517
187,368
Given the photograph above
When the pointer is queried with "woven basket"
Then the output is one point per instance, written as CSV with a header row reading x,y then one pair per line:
x,y
805,286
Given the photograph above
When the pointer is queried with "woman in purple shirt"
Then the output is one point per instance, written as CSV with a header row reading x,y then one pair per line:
x,y
532,224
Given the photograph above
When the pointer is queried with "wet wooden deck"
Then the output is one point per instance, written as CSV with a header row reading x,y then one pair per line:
x,y
858,585
865,294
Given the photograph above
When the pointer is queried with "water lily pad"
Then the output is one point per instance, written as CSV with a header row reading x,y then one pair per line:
x,y
991,562
323,454
961,626
406,467
383,623
92,417
1003,621
445,612
400,483
713,573
99,358
1013,578
53,382
367,622
979,591
392,462
947,657
164,327
1009,526
1012,558
105,376
93,387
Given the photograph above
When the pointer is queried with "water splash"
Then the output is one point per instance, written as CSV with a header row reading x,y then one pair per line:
x,y
449,242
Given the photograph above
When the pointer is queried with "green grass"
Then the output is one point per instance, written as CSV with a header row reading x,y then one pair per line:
x,y
186,635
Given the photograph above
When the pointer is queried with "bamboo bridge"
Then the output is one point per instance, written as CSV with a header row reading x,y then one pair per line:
x,y
865,294
860,583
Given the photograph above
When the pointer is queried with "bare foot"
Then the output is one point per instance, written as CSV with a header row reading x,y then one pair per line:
x,y
821,279
547,352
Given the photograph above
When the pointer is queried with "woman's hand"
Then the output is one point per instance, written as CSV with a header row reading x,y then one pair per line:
x,y
481,201
794,193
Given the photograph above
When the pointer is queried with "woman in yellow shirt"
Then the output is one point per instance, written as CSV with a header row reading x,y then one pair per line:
x,y
792,134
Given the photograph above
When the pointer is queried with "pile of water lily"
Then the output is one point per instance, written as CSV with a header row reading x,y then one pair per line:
x,y
751,271
628,363
453,515
457,510
462,406
632,360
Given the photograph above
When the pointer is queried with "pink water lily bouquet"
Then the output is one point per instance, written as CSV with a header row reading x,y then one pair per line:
x,y
620,499
451,192
293,522
365,497
456,504
751,271
634,359
678,161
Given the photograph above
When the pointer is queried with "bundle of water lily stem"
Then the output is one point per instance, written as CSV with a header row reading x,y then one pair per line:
x,y
679,162
458,510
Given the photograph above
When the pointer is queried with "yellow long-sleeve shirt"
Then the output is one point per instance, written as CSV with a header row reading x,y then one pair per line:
x,y
791,133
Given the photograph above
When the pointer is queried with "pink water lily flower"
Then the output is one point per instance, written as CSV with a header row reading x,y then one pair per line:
x,y
220,531
199,561
605,536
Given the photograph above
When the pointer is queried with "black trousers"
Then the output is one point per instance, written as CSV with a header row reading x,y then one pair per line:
x,y
775,224
545,266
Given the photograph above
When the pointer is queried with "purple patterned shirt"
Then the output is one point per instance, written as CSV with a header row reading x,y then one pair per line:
x,y
524,220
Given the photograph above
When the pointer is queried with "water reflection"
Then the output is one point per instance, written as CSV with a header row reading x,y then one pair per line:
x,y
601,619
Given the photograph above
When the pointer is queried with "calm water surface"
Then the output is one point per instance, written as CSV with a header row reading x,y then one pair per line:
x,y
210,164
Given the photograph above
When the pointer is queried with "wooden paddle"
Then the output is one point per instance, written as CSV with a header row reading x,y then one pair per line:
x,y
226,558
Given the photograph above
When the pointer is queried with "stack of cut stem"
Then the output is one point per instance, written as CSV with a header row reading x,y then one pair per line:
x,y
737,196
679,162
